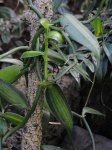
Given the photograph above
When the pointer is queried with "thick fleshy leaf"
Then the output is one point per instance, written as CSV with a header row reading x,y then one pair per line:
x,y
91,111
10,73
13,117
59,106
29,54
12,95
51,147
80,33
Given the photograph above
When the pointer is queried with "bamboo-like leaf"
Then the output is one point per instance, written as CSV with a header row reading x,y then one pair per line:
x,y
80,33
29,54
12,95
91,111
63,71
13,117
10,73
55,57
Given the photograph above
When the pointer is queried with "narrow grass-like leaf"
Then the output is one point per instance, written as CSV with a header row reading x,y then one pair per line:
x,y
29,54
91,111
10,73
12,95
55,57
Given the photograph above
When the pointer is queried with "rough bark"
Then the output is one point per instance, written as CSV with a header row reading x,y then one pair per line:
x,y
32,135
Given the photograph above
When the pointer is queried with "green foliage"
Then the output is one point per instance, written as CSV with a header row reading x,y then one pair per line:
x,y
11,73
12,95
70,46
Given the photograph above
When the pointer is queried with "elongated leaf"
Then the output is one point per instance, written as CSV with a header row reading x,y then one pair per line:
x,y
78,32
108,51
3,126
12,95
10,73
89,64
59,106
91,111
55,57
51,147
12,60
63,71
13,117
29,54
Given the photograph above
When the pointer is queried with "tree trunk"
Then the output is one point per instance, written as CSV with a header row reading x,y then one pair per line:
x,y
32,135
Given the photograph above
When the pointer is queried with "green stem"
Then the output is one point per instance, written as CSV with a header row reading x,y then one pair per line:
x,y
76,114
32,7
37,98
13,51
90,132
87,100
46,56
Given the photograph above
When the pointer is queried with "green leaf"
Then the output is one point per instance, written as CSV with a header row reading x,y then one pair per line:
x,y
45,23
3,126
59,106
80,33
63,71
13,117
108,51
89,64
55,57
11,60
29,54
98,26
10,73
12,95
91,111
51,147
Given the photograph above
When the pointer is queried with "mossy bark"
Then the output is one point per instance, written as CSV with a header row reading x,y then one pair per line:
x,y
32,135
